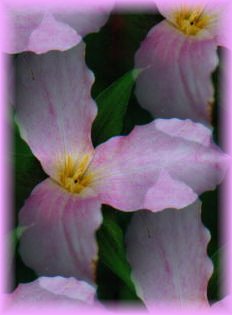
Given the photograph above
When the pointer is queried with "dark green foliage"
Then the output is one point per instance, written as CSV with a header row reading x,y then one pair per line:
x,y
112,106
112,254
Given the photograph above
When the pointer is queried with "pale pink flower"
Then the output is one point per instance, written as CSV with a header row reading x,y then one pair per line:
x,y
166,163
40,27
179,56
51,291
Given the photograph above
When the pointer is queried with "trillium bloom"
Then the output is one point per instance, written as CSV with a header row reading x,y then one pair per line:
x,y
174,269
180,55
166,163
40,28
52,291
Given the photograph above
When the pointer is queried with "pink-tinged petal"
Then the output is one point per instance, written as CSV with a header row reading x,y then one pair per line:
x,y
166,7
54,107
68,292
20,25
127,170
70,287
51,33
168,255
185,129
60,238
65,26
224,26
220,11
177,79
168,193
87,19
10,80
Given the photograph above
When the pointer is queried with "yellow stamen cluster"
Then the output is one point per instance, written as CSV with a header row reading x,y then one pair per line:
x,y
191,21
72,176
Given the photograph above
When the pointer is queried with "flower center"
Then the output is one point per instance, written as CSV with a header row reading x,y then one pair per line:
x,y
191,21
72,176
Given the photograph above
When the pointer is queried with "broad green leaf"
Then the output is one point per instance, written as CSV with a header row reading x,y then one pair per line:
x,y
129,296
27,169
112,251
21,149
112,106
15,236
216,281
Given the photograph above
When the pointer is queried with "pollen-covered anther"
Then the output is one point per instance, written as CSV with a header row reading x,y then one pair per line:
x,y
191,21
73,175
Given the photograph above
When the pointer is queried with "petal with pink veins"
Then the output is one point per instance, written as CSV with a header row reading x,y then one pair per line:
x,y
166,7
127,170
168,193
65,24
60,235
20,24
52,33
218,11
176,81
185,129
54,107
86,19
168,255
59,291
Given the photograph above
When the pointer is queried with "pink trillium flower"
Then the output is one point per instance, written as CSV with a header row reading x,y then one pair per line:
x,y
166,163
179,56
174,269
52,291
43,27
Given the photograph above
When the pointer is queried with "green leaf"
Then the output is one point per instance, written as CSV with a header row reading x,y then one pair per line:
x,y
27,169
112,106
112,251
15,236
216,281
21,149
